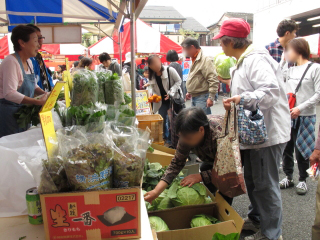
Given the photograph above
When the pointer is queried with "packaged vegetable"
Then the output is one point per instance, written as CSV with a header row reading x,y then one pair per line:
x,y
114,90
85,88
102,77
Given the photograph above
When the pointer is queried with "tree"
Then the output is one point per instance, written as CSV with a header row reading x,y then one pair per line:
x,y
87,39
188,33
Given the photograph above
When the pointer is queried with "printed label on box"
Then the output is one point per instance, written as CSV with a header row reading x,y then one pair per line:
x,y
117,216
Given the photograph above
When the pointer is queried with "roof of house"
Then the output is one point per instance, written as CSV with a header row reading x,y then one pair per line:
x,y
160,12
193,25
247,16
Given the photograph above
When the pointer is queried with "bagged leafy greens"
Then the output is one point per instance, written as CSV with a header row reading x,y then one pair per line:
x,y
129,155
223,64
126,117
85,88
102,78
203,220
114,90
88,159
158,224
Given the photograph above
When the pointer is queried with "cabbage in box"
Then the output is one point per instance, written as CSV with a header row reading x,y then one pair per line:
x,y
92,215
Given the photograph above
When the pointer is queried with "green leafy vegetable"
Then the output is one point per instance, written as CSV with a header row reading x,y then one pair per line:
x,y
126,117
114,90
85,88
90,167
158,224
152,175
208,200
231,236
127,99
182,196
223,64
203,220
28,115
53,177
21,238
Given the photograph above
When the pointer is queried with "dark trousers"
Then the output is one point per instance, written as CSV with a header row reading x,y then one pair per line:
x,y
208,166
163,111
288,159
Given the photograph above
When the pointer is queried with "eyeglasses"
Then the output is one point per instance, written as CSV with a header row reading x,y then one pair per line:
x,y
40,38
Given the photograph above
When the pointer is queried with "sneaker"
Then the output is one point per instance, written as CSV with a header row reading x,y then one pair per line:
x,y
259,236
249,225
301,188
286,183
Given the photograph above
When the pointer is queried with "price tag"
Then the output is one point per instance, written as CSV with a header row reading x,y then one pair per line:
x,y
46,120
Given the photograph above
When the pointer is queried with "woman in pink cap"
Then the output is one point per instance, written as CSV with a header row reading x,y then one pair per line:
x,y
257,81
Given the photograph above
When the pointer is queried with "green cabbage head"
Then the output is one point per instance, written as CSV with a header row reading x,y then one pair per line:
x,y
223,64
183,196
203,220
158,224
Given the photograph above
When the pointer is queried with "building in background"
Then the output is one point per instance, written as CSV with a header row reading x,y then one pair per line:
x,y
169,21
192,24
269,13
215,28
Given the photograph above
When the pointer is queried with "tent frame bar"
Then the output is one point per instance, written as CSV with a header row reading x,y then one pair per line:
x,y
105,34
133,57
53,24
116,7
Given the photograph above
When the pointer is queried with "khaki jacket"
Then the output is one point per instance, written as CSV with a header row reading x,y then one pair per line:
x,y
202,77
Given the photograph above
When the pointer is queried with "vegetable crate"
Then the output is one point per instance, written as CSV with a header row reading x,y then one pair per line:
x,y
92,215
155,123
178,220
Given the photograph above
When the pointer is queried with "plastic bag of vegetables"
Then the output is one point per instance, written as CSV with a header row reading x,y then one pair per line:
x,y
102,78
158,224
88,159
203,220
114,90
182,196
129,155
85,88
223,64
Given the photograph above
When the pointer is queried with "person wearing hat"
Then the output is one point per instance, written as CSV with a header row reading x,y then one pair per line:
x,y
127,69
257,81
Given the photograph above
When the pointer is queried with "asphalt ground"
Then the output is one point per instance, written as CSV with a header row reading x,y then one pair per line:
x,y
298,211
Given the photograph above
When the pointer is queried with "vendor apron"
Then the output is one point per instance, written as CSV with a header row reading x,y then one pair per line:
x,y
8,123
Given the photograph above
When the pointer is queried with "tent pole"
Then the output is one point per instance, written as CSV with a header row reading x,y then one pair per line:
x,y
120,49
133,57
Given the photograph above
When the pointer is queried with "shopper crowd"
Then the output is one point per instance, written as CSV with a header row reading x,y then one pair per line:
x,y
278,82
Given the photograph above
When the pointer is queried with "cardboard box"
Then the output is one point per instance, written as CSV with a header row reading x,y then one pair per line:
x,y
178,220
80,215
164,155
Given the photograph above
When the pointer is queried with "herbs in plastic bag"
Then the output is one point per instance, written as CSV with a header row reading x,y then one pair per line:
x,y
85,88
102,78
114,90
126,117
88,160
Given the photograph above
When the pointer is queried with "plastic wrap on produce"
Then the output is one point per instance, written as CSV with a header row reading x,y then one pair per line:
x,y
129,154
85,88
102,78
114,93
88,158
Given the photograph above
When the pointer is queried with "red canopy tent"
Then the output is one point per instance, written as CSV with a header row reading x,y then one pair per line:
x,y
148,40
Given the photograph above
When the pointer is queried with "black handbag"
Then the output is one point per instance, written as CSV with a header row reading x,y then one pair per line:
x,y
177,103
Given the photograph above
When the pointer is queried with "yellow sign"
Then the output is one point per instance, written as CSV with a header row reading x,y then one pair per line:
x,y
143,106
47,125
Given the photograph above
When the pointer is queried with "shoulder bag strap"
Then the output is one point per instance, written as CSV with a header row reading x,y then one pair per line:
x,y
169,77
303,75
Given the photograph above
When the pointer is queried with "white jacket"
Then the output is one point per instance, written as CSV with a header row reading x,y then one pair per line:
x,y
258,78
175,82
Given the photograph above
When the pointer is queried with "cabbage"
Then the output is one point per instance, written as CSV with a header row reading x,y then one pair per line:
x,y
203,220
208,200
231,236
223,64
183,196
158,224
160,203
